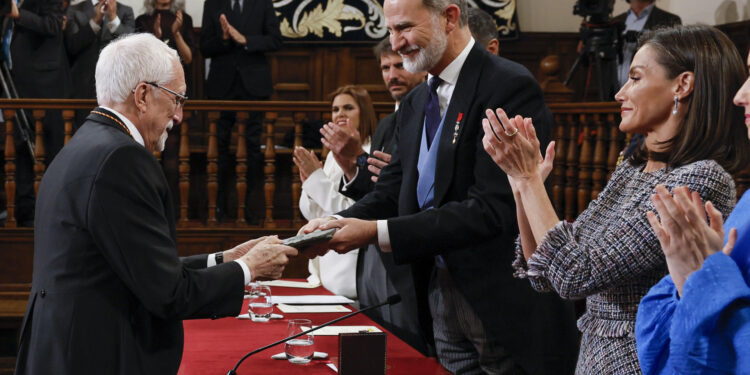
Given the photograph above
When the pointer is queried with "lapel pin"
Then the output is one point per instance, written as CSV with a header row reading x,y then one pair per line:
x,y
455,128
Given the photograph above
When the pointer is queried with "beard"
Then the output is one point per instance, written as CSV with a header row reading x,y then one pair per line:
x,y
428,56
163,137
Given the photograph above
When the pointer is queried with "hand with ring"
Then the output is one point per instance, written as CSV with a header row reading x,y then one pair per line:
x,y
513,146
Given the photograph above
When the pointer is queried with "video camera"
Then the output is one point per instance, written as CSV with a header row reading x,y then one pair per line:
x,y
597,11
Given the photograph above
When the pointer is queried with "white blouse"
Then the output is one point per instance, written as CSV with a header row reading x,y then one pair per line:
x,y
321,197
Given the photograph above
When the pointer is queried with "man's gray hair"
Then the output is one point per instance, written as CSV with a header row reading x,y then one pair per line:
x,y
438,6
482,26
130,60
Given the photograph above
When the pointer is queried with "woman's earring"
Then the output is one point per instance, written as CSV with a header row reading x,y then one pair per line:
x,y
676,102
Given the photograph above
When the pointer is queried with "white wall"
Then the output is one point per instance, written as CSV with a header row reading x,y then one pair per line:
x,y
557,15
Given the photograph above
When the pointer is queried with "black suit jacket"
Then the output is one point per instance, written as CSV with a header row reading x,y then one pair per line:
x,y
83,45
109,292
230,61
382,140
473,225
40,67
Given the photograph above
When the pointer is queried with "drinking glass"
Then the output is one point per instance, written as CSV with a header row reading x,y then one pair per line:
x,y
299,350
260,306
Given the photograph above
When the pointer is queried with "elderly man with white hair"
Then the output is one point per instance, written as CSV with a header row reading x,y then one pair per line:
x,y
109,292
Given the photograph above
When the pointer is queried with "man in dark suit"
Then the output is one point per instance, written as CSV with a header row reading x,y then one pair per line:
x,y
443,206
643,15
90,26
235,35
377,274
109,292
40,70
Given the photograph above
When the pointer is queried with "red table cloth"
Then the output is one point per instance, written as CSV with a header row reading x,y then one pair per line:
x,y
214,346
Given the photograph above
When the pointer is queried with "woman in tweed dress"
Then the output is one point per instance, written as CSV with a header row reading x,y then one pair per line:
x,y
678,95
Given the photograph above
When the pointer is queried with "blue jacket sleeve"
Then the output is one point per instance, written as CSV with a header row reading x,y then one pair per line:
x,y
652,323
711,328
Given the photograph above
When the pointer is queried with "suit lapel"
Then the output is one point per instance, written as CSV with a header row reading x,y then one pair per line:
x,y
458,108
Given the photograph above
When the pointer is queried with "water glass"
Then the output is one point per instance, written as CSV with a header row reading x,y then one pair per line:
x,y
260,306
299,350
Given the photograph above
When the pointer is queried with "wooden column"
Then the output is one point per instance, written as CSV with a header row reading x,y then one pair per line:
x,y
615,147
38,148
571,171
296,182
184,169
584,163
241,168
10,168
68,116
270,168
212,168
599,176
558,171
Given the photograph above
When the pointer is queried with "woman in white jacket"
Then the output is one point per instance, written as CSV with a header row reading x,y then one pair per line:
x,y
351,107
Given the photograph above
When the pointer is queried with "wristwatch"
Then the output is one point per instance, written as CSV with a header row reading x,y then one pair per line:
x,y
219,257
362,160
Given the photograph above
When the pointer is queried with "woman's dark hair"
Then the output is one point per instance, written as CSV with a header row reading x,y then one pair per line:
x,y
713,128
367,119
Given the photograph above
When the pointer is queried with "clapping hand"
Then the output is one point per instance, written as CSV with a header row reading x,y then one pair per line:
x,y
157,26
99,11
686,238
306,162
228,31
111,10
177,24
345,144
513,145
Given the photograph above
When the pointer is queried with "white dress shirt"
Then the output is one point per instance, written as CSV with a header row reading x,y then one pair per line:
x,y
449,75
138,138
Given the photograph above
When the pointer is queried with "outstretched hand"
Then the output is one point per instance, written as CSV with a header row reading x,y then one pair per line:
x,y
685,236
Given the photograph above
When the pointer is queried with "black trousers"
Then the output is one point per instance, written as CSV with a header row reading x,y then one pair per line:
x,y
53,138
251,137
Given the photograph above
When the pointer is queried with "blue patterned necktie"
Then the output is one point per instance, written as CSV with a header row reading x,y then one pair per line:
x,y
432,110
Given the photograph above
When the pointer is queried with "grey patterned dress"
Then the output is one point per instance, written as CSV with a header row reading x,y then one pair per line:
x,y
611,257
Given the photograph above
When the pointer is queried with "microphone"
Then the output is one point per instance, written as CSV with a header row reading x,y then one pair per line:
x,y
392,300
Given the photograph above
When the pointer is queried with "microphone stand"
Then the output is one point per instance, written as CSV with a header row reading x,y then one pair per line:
x,y
390,301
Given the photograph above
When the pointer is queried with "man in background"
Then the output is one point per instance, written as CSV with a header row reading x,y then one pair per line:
x,y
39,69
484,30
643,15
90,26
235,35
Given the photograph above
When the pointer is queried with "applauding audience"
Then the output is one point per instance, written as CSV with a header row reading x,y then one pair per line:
x,y
678,96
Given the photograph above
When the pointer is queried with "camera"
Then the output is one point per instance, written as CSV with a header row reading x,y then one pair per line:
x,y
597,11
